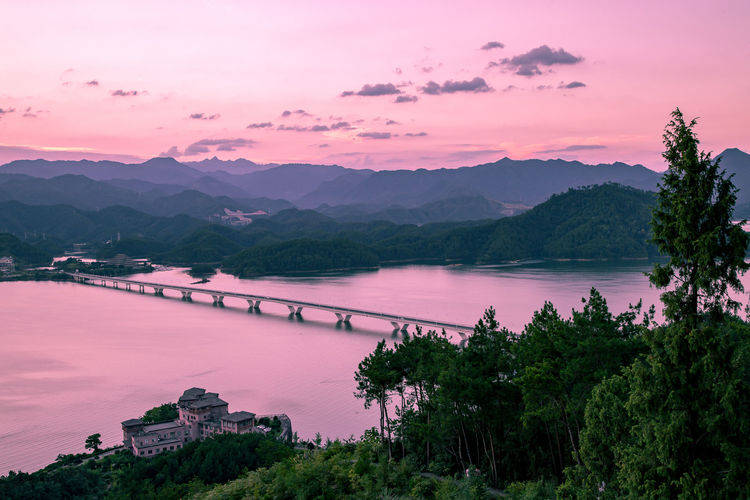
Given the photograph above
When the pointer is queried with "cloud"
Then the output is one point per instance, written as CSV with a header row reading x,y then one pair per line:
x,y
376,89
475,85
292,128
417,134
202,116
427,69
398,71
572,85
299,112
28,113
319,128
527,64
5,111
509,88
573,147
341,125
93,83
205,145
492,45
11,153
392,122
406,98
260,125
125,93
324,145
375,135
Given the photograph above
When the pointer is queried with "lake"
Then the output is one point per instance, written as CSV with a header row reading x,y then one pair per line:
x,y
80,359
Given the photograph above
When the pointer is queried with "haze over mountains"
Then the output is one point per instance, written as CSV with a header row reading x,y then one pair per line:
x,y
166,187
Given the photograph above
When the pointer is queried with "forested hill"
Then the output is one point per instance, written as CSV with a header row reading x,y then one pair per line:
x,y
600,222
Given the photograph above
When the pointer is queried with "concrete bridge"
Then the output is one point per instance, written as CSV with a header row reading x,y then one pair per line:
x,y
343,314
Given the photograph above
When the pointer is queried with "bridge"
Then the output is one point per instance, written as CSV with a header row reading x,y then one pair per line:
x,y
343,314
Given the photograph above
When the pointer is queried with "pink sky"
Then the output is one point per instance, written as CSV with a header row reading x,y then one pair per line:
x,y
247,62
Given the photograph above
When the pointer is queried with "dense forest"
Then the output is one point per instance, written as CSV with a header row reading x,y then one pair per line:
x,y
606,221
300,256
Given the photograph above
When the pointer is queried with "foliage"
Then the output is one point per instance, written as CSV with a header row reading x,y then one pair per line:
x,y
178,474
23,253
675,423
347,470
606,221
93,442
161,413
692,223
300,255
201,270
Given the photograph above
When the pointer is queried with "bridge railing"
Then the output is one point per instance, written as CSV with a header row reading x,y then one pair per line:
x,y
295,306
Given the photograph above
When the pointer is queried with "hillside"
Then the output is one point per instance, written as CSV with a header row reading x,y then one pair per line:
x,y
23,253
607,221
511,181
460,208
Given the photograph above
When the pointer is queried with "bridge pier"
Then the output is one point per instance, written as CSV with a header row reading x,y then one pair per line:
x,y
397,326
159,291
253,304
141,289
342,318
127,286
116,283
296,310
218,300
187,296
104,282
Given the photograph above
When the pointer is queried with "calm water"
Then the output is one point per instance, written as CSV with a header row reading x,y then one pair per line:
x,y
77,359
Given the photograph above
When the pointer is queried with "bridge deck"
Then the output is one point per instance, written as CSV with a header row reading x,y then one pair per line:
x,y
344,311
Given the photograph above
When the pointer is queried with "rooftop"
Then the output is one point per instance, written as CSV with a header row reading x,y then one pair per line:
x,y
207,402
132,422
161,426
238,416
192,394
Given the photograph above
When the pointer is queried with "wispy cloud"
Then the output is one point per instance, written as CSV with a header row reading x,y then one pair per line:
x,y
342,125
6,111
298,112
93,83
375,135
475,85
260,125
206,145
415,134
203,116
572,148
527,64
406,98
492,45
125,93
376,89
572,85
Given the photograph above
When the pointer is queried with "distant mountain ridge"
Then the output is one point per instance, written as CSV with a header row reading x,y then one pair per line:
x,y
415,196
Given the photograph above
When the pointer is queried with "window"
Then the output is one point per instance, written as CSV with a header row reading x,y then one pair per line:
x,y
149,452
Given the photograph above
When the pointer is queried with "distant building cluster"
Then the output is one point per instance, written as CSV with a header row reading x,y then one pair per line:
x,y
123,260
201,414
237,217
7,265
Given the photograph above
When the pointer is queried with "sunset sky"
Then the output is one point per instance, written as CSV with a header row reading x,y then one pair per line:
x,y
379,85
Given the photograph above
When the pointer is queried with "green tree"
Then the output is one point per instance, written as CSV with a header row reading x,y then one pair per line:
x,y
93,442
692,224
376,378
161,413
678,420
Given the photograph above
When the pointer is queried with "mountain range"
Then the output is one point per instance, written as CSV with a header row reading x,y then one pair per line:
x,y
167,187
